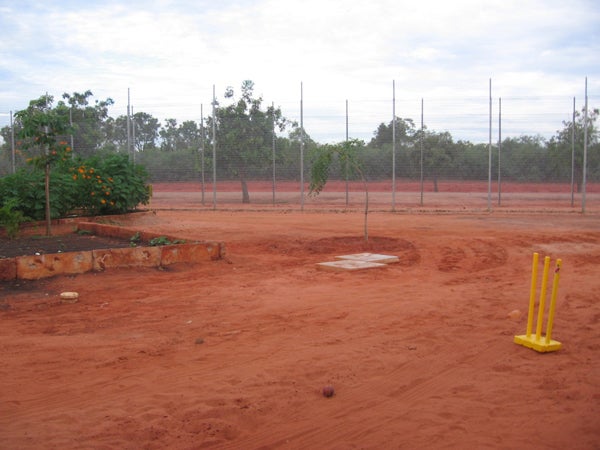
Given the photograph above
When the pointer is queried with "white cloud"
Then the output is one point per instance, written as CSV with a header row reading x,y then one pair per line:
x,y
170,53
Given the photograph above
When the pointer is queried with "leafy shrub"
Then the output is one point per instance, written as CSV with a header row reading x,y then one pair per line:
x,y
109,185
10,218
163,240
129,183
26,188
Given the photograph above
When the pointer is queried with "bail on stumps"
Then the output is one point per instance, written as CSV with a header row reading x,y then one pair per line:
x,y
536,341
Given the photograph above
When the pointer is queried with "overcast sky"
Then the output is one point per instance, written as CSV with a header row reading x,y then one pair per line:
x,y
171,53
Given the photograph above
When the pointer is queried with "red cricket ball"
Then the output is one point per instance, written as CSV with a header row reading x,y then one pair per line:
x,y
328,391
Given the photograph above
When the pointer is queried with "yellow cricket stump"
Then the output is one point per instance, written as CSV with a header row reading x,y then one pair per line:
x,y
536,341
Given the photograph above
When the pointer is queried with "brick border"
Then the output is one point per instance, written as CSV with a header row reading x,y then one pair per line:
x,y
69,263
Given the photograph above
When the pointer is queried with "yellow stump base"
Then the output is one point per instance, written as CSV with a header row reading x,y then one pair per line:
x,y
539,345
535,340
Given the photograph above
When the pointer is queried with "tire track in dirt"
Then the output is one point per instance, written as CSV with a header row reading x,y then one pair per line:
x,y
406,370
393,407
472,255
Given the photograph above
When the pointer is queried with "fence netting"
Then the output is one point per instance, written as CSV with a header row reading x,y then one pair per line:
x,y
520,153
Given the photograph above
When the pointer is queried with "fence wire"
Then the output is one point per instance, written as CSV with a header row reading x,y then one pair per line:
x,y
444,153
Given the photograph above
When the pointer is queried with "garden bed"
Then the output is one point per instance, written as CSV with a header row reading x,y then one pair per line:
x,y
97,247
73,242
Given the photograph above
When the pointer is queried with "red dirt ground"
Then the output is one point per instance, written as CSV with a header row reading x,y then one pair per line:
x,y
234,353
452,196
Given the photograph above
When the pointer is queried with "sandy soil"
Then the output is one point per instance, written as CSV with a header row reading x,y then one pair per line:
x,y
234,353
452,196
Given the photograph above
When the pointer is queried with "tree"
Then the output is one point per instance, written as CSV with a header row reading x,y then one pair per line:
x,y
179,137
379,163
245,135
288,151
146,131
560,147
169,135
347,154
471,161
525,158
88,131
42,128
438,154
405,133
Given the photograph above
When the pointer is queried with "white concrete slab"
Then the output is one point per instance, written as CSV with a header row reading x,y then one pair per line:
x,y
370,257
348,265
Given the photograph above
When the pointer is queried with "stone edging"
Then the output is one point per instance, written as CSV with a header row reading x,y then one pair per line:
x,y
69,263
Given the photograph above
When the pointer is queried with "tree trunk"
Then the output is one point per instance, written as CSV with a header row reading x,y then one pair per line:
x,y
435,183
366,225
47,190
245,194
366,186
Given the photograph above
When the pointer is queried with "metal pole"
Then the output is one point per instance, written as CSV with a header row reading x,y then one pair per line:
x,y
585,144
273,108
12,142
489,200
573,157
128,127
202,148
422,136
499,149
346,169
393,145
214,132
301,147
71,123
132,135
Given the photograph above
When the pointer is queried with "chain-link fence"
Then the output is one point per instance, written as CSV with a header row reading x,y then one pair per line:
x,y
512,153
440,154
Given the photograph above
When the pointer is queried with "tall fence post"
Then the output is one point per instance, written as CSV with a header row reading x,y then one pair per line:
x,y
214,149
585,145
573,156
301,147
489,199
347,167
129,127
202,149
393,145
273,128
12,143
421,152
499,150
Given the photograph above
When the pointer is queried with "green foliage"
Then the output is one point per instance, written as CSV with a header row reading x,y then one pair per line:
x,y
27,187
87,132
347,155
177,165
41,129
11,218
163,240
405,133
560,149
245,134
471,161
323,157
179,137
108,185
320,168
170,150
